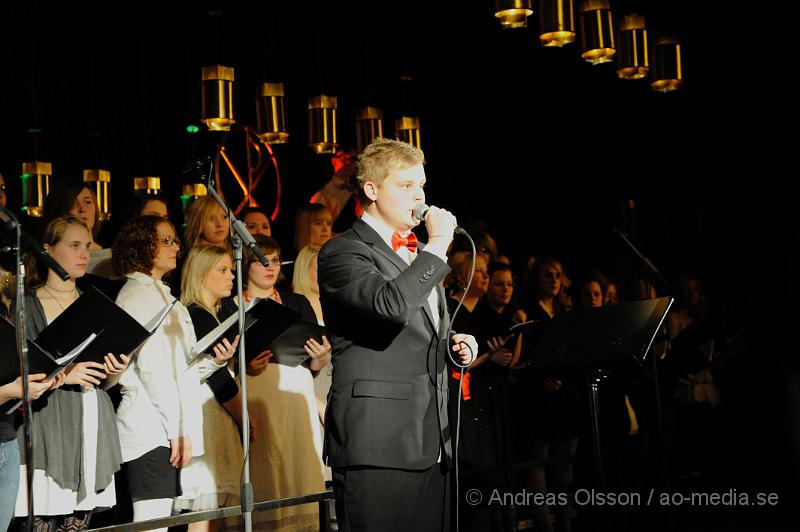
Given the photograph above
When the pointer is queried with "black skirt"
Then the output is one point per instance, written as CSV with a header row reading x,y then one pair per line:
x,y
151,476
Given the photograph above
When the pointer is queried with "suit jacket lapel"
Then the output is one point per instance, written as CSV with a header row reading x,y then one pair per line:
x,y
369,235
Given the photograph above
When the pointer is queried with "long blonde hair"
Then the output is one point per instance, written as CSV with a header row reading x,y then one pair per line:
x,y
304,218
198,263
198,212
301,281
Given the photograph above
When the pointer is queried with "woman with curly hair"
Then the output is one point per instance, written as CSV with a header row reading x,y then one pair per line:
x,y
162,382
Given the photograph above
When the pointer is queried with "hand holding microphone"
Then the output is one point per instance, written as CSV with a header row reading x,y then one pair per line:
x,y
438,222
441,224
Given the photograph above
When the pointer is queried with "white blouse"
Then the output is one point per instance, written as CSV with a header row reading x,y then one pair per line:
x,y
160,389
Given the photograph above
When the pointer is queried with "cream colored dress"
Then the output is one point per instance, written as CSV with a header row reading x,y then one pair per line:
x,y
285,458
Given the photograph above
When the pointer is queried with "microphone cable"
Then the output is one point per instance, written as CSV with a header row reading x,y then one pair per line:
x,y
463,369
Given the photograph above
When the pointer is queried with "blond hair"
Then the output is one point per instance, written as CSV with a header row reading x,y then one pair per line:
x,y
195,216
301,281
304,218
383,156
199,261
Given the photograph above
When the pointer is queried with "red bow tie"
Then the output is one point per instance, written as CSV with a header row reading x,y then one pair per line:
x,y
409,242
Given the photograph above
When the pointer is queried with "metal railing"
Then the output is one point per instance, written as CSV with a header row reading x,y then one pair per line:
x,y
229,511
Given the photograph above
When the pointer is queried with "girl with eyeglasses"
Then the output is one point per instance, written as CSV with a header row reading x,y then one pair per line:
x,y
286,458
160,418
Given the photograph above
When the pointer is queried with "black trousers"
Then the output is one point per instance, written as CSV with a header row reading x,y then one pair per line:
x,y
372,499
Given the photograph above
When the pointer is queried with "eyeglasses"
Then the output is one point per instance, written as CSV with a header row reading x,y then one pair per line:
x,y
169,242
274,262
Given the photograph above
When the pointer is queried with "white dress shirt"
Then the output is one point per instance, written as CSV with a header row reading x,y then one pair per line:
x,y
385,232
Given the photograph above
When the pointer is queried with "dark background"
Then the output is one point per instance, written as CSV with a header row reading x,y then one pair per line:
x,y
546,149
543,147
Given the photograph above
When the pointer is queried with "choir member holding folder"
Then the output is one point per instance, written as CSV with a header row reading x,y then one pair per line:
x,y
286,457
160,418
206,285
9,449
76,445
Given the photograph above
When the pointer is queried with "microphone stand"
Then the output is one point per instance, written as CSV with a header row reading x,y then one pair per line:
x,y
22,353
654,365
239,237
649,265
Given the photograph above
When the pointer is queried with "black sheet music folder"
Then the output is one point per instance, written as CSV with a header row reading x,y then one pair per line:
x,y
117,331
595,338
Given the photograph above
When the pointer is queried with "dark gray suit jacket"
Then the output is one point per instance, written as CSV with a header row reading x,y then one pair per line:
x,y
388,402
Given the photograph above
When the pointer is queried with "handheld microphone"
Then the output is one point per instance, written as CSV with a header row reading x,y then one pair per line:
x,y
420,210
250,242
9,223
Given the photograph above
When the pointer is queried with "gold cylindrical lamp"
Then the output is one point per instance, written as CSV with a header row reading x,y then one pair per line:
x,y
633,57
189,193
147,185
35,186
322,124
369,126
406,129
194,190
513,13
217,97
597,31
556,22
100,181
271,114
667,71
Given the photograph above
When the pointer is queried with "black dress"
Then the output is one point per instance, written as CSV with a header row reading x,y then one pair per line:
x,y
478,452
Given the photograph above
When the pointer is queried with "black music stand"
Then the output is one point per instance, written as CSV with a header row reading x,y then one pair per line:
x,y
593,340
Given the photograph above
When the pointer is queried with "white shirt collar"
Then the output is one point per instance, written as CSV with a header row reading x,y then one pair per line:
x,y
146,279
384,230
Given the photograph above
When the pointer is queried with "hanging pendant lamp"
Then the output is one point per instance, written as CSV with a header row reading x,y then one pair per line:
x,y
147,185
322,124
217,97
369,126
407,130
667,72
271,114
633,58
513,13
597,31
100,182
556,22
35,186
